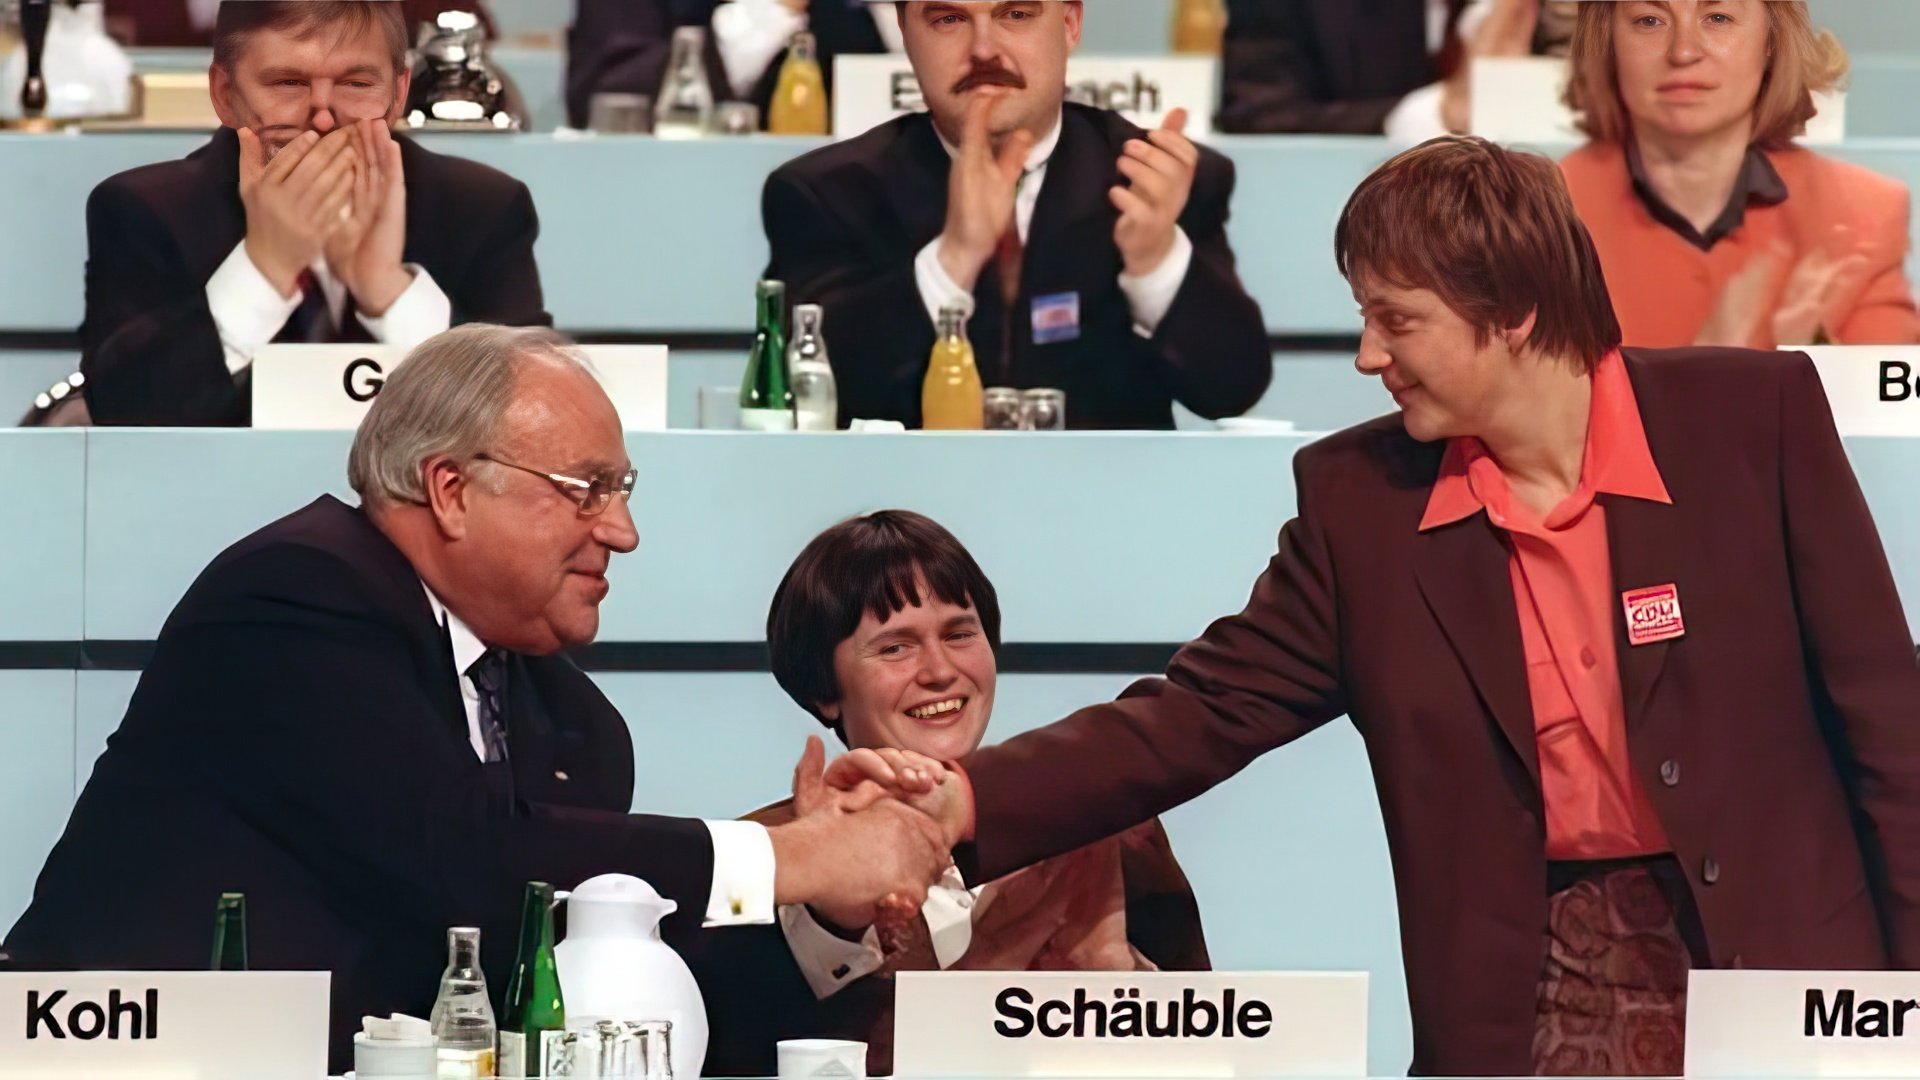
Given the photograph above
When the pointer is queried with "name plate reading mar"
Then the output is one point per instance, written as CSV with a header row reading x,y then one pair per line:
x,y
1872,389
330,387
1803,1023
1144,1024
870,90
202,1025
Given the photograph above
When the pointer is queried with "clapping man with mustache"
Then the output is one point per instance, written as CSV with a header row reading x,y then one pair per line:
x,y
1093,254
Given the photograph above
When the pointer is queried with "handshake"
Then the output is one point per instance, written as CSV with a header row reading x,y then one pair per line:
x,y
870,833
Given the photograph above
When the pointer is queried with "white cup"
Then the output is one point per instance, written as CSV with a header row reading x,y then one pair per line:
x,y
393,1059
822,1059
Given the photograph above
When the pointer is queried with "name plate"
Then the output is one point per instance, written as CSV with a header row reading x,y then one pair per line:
x,y
870,90
1518,99
193,1025
1130,1024
1872,389
330,387
1803,1023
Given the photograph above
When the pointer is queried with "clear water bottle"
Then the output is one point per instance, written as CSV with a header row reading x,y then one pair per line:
x,y
684,109
816,399
463,1027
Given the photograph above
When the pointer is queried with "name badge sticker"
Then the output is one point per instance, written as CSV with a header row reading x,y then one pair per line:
x,y
1056,318
1653,614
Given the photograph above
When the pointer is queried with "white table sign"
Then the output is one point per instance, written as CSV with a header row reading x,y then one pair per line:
x,y
1130,1024
870,90
160,1025
1517,99
1803,1023
1873,389
329,387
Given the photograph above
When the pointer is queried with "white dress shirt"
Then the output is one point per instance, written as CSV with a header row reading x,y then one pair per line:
x,y
1149,296
742,890
830,962
749,34
248,311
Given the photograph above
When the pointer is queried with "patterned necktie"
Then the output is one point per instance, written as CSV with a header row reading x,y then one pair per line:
x,y
312,321
489,675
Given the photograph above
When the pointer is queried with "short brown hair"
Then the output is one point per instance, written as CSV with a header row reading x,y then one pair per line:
x,y
1801,61
238,20
865,565
1493,233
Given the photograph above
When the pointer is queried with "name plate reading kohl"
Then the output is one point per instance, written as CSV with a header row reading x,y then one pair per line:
x,y
870,90
1803,1023
1872,389
330,387
1130,1024
162,1025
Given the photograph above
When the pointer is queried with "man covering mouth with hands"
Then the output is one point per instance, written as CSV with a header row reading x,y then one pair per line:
x,y
1093,254
304,219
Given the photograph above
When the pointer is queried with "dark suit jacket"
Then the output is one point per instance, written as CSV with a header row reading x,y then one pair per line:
x,y
845,223
1789,712
156,234
623,45
1334,66
299,736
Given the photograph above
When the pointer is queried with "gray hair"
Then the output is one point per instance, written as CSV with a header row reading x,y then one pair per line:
x,y
449,397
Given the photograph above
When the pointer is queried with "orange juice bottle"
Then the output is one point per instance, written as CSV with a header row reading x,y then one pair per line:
x,y
799,104
951,398
1199,26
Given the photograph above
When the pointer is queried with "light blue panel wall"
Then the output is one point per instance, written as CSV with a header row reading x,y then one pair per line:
x,y
36,778
24,374
162,504
1885,470
42,491
99,703
1288,860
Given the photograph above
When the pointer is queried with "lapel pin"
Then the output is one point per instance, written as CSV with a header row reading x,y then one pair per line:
x,y
1653,614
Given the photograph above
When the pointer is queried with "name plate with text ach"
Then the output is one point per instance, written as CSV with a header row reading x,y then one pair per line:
x,y
191,1025
1803,1023
330,387
1872,389
870,90
1130,1024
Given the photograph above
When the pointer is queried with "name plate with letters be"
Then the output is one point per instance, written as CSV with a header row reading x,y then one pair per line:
x,y
1803,1023
190,1025
1872,389
1130,1024
330,387
870,90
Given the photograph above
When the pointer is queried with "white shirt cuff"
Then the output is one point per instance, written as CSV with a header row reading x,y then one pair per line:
x,y
419,312
949,916
247,310
1151,295
937,290
1417,118
742,893
828,961
749,35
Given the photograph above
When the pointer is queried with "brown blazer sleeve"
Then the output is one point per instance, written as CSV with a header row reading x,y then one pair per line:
x,y
1163,918
1857,650
1252,682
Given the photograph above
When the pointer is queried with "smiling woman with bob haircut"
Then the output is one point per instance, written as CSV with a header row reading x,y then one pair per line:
x,y
1715,228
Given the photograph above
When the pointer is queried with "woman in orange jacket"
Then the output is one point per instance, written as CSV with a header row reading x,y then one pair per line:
x,y
1713,227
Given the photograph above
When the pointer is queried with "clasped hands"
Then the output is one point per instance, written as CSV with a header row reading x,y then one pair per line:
x,y
871,832
341,195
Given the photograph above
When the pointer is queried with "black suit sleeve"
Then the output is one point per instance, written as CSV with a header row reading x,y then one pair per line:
x,y
877,320
1212,344
502,282
305,717
1270,70
149,347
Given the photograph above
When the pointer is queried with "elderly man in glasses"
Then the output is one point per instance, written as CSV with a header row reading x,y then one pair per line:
x,y
357,717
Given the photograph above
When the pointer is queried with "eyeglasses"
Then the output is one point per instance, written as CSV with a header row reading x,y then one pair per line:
x,y
591,496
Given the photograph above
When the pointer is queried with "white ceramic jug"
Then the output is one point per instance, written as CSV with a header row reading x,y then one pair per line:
x,y
614,966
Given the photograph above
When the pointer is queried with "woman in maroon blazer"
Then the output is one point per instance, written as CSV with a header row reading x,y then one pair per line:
x,y
1615,624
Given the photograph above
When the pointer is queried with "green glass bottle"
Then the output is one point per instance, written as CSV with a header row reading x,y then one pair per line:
x,y
230,932
766,401
535,1009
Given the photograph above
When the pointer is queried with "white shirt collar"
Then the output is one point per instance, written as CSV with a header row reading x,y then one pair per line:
x,y
467,646
1037,159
